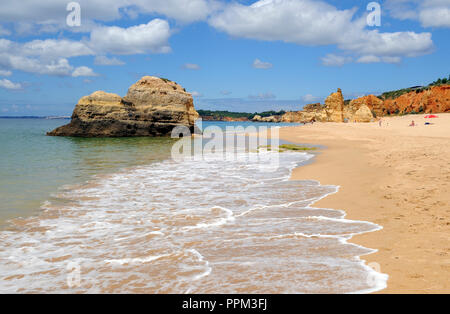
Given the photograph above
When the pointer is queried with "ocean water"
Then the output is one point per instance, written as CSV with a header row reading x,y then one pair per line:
x,y
122,216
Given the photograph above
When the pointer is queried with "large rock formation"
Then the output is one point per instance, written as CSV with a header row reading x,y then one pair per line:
x,y
373,103
152,107
311,112
332,111
270,119
335,107
359,110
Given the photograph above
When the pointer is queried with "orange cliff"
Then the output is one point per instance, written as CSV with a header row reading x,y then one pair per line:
x,y
431,99
436,99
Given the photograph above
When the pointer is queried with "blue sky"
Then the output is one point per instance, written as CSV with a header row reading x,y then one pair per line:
x,y
241,55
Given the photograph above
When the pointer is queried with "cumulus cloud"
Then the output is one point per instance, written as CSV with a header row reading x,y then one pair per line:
x,y
54,48
336,60
376,59
258,64
435,13
430,13
103,60
51,56
5,73
83,71
7,84
145,38
314,23
59,67
191,66
30,16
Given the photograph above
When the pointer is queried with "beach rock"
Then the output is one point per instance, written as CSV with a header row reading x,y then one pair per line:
x,y
334,106
257,118
359,110
152,107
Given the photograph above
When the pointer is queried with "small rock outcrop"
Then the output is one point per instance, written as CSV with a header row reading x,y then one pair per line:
x,y
359,110
334,106
152,107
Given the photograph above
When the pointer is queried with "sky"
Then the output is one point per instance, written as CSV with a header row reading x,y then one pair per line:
x,y
247,56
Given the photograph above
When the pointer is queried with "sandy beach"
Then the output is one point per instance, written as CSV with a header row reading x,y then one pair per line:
x,y
398,177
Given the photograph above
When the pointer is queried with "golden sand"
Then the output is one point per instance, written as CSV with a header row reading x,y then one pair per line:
x,y
398,177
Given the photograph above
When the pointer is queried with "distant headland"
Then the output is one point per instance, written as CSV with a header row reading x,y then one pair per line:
x,y
433,98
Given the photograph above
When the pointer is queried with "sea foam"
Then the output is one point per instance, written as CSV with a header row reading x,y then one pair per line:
x,y
198,226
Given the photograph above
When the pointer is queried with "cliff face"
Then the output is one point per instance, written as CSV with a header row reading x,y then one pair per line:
x,y
152,107
360,109
365,109
436,99
334,110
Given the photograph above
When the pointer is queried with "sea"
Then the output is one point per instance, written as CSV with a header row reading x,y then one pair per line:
x,y
123,216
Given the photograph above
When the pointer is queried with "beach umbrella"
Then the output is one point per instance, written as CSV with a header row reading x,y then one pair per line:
x,y
431,116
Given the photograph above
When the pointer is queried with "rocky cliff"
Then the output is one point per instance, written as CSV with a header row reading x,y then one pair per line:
x,y
152,107
432,99
435,99
334,110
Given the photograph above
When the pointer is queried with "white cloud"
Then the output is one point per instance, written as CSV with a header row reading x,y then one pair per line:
x,y
376,59
31,16
435,13
181,10
399,44
258,64
83,71
103,60
145,38
5,73
51,56
7,84
430,13
59,67
54,48
191,66
314,23
336,60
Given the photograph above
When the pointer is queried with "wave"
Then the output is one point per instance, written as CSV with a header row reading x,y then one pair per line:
x,y
197,226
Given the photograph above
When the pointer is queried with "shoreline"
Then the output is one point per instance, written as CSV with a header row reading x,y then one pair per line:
x,y
386,178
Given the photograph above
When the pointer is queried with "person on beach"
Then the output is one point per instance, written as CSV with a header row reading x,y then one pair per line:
x,y
413,123
380,123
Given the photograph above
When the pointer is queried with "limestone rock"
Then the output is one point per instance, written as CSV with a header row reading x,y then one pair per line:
x,y
257,118
152,107
335,107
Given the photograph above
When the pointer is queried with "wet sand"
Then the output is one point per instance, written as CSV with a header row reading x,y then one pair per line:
x,y
398,177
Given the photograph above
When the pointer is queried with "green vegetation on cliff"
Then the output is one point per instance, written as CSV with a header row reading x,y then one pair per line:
x,y
397,93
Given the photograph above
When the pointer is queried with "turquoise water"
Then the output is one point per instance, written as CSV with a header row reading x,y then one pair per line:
x,y
33,165
133,220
